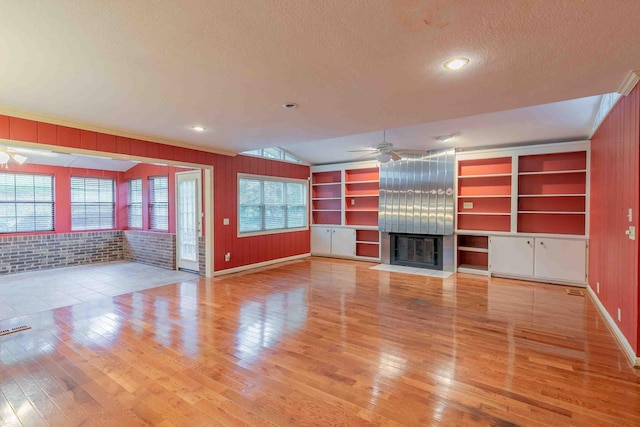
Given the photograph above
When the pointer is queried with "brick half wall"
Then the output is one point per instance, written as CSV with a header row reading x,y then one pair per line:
x,y
38,252
147,247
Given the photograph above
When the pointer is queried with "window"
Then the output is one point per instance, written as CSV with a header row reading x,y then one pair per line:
x,y
26,203
271,204
92,203
159,203
274,153
134,204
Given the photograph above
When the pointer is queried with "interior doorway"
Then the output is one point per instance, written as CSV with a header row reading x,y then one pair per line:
x,y
188,219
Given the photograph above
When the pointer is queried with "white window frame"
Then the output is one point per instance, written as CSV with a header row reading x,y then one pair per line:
x,y
16,201
305,182
283,155
153,203
130,204
113,203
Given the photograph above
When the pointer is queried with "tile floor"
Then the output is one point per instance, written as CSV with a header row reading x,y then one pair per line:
x,y
32,292
413,270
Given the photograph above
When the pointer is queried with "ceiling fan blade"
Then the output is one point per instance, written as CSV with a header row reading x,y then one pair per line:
x,y
410,151
371,150
394,155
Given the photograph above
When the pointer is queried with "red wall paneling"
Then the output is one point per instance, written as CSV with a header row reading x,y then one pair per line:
x,y
47,133
23,130
4,127
613,258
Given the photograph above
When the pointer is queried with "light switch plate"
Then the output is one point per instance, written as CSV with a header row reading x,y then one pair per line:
x,y
225,221
630,215
467,205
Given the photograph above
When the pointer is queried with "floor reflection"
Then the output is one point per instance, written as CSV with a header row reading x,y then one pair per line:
x,y
262,324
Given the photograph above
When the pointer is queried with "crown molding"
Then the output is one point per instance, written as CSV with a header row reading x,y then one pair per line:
x,y
629,82
116,132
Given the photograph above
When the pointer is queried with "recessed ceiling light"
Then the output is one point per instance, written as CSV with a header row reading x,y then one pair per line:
x,y
199,128
456,63
290,105
444,138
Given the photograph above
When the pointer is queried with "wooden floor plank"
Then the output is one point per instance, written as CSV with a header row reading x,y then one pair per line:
x,y
321,342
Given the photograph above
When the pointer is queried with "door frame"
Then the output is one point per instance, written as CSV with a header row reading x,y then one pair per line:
x,y
201,208
207,198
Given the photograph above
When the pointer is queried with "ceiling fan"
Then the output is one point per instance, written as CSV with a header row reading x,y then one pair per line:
x,y
384,150
9,153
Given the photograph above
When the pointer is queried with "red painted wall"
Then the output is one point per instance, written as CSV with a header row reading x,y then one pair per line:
x,y
245,250
146,171
62,191
613,258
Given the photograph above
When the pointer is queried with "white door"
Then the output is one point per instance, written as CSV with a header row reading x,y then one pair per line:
x,y
321,240
188,219
561,259
343,241
511,255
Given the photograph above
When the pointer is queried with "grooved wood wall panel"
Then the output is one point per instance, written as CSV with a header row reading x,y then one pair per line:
x,y
613,258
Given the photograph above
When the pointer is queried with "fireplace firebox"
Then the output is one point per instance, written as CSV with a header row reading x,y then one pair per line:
x,y
416,250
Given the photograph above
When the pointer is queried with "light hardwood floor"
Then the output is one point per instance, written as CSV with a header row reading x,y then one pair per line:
x,y
320,342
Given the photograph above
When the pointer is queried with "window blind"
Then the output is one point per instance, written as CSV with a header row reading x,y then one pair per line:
x,y
268,204
159,203
92,203
134,204
26,203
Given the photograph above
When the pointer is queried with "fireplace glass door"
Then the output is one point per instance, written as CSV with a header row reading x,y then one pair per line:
x,y
416,250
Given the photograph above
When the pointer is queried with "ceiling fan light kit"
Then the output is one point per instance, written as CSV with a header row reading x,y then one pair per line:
x,y
384,157
6,156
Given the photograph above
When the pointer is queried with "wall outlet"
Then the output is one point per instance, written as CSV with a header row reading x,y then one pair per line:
x,y
631,232
598,287
225,221
467,205
227,256
353,201
619,315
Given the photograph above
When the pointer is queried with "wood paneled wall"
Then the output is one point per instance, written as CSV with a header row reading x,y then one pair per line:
x,y
613,258
245,250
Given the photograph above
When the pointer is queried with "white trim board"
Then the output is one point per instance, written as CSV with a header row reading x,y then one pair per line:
x,y
260,264
617,333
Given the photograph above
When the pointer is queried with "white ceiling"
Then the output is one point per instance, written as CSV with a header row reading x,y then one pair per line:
x,y
156,67
559,121
51,158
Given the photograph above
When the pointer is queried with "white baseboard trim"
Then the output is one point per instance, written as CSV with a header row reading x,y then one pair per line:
x,y
617,333
259,264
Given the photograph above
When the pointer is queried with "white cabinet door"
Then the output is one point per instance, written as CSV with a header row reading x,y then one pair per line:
x,y
561,259
511,255
321,240
343,242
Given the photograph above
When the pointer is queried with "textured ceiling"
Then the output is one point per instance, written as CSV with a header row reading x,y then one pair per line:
x,y
559,121
154,68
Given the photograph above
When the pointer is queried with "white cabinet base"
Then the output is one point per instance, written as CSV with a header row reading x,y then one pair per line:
x,y
561,259
542,259
333,241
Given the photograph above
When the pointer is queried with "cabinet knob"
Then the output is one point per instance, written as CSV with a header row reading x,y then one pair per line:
x,y
528,242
